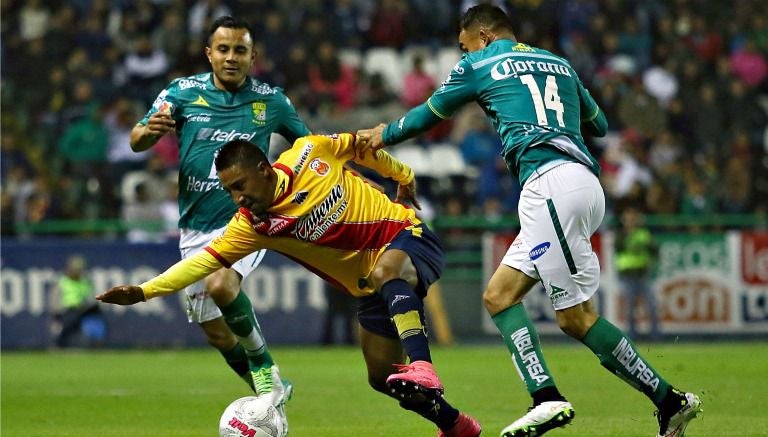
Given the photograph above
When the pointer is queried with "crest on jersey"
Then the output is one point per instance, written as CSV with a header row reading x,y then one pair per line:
x,y
319,166
259,113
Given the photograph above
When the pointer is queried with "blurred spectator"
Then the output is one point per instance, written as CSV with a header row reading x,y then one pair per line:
x,y
417,83
145,67
333,82
202,14
635,252
142,214
169,36
749,64
389,24
76,311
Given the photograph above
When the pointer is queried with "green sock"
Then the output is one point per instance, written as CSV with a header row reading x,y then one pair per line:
x,y
522,340
238,361
241,320
618,354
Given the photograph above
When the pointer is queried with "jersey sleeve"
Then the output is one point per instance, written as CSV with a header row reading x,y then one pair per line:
x,y
292,127
455,91
166,97
238,241
343,147
592,117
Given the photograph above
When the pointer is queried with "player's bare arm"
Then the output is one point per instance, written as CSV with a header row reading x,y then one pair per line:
x,y
145,136
122,295
370,140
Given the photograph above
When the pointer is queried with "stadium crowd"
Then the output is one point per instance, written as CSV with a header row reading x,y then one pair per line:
x,y
684,84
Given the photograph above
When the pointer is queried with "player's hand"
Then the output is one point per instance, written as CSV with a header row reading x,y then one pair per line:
x,y
159,124
122,295
408,193
370,140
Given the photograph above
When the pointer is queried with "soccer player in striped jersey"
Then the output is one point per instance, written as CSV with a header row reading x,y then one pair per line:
x,y
539,106
310,208
206,111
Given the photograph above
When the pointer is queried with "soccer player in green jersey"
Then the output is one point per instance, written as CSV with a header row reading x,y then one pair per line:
x,y
539,106
206,111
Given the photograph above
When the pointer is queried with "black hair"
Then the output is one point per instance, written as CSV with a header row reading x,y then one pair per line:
x,y
230,23
490,16
240,152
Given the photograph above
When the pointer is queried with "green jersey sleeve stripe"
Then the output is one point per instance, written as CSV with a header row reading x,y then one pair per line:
x,y
434,110
594,114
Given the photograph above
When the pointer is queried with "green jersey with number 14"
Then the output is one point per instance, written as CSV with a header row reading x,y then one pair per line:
x,y
207,118
534,100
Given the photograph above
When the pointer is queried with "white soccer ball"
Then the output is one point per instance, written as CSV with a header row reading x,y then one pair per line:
x,y
252,416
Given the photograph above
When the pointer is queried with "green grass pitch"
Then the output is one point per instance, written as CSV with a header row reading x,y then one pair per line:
x,y
182,393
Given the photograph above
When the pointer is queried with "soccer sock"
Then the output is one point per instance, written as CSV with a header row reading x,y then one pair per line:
x,y
437,411
240,318
522,341
238,361
407,312
619,355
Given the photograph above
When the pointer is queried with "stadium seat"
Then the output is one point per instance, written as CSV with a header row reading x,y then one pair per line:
x,y
385,61
415,156
351,57
449,162
445,59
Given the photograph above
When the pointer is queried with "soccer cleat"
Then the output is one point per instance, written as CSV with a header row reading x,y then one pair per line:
x,y
417,379
540,419
674,425
465,426
267,381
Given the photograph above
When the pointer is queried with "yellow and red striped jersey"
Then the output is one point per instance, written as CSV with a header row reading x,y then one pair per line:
x,y
323,216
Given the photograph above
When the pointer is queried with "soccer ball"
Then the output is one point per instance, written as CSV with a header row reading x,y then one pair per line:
x,y
252,416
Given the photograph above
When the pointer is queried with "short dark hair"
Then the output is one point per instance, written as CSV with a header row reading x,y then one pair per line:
x,y
230,23
239,152
490,16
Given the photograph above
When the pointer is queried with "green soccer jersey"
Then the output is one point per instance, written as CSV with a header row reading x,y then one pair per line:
x,y
206,118
534,100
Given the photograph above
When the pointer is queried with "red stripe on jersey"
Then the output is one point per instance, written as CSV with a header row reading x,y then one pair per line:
x,y
361,236
289,189
218,257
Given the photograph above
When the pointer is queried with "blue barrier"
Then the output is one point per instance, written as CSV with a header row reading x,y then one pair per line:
x,y
289,300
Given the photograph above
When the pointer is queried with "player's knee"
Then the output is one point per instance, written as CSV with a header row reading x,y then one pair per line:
x,y
575,327
220,290
384,273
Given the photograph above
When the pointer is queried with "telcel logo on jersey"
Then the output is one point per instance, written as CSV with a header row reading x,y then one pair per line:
x,y
223,136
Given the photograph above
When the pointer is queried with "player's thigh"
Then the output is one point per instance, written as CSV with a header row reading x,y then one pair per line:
x,y
380,353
